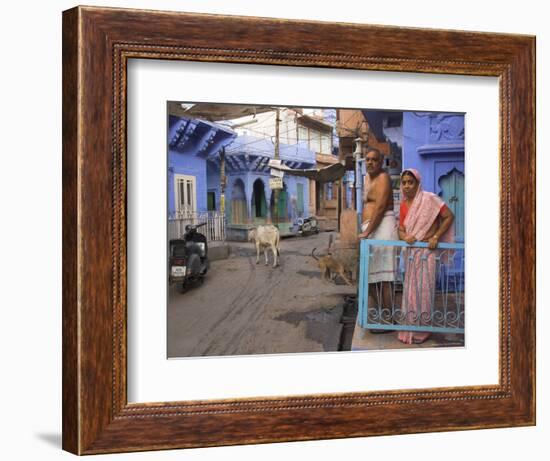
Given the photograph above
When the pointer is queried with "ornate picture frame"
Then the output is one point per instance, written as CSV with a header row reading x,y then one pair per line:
x,y
97,44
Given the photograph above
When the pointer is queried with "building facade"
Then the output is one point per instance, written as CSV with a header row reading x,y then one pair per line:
x,y
223,168
306,130
318,130
249,199
434,145
192,146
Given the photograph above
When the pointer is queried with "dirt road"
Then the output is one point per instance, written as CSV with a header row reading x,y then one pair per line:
x,y
244,308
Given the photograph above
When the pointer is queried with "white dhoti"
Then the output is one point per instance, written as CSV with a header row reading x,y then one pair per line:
x,y
382,263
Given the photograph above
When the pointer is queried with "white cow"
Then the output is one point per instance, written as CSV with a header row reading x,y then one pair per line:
x,y
264,237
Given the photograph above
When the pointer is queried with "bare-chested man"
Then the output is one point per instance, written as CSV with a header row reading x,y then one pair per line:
x,y
379,223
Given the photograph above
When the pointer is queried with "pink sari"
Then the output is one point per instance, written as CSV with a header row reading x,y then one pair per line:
x,y
420,263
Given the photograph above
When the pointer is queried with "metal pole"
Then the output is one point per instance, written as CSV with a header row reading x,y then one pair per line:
x,y
277,120
223,180
358,180
276,157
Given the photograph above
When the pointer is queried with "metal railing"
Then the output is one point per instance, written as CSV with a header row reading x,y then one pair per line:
x,y
214,229
427,291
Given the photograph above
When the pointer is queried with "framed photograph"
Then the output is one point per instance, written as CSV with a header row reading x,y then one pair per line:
x,y
296,183
284,230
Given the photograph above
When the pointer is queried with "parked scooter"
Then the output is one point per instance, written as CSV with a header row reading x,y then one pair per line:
x,y
307,226
188,258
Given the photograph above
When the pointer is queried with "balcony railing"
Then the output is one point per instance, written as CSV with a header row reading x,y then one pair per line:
x,y
427,291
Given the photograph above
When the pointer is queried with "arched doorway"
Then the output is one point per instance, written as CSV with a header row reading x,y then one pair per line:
x,y
259,206
238,203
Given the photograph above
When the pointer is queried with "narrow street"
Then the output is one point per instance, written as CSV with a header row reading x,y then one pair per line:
x,y
245,308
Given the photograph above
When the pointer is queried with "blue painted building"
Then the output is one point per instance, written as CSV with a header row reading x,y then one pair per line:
x,y
432,143
192,145
195,161
249,199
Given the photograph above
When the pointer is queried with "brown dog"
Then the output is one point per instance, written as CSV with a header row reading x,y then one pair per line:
x,y
330,266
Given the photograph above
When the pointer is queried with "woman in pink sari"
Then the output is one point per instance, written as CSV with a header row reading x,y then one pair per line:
x,y
423,217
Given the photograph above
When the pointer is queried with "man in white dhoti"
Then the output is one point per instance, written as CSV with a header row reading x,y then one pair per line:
x,y
378,222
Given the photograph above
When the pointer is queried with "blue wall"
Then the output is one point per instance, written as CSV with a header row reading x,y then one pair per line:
x,y
292,189
191,143
188,165
213,182
433,144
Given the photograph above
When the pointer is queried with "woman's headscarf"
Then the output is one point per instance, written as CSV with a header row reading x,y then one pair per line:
x,y
423,211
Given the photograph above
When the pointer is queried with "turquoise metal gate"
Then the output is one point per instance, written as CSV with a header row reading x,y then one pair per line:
x,y
427,293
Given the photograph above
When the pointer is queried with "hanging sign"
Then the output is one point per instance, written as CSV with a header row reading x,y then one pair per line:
x,y
277,173
275,183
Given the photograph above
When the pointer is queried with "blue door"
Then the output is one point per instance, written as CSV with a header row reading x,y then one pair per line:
x,y
452,192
